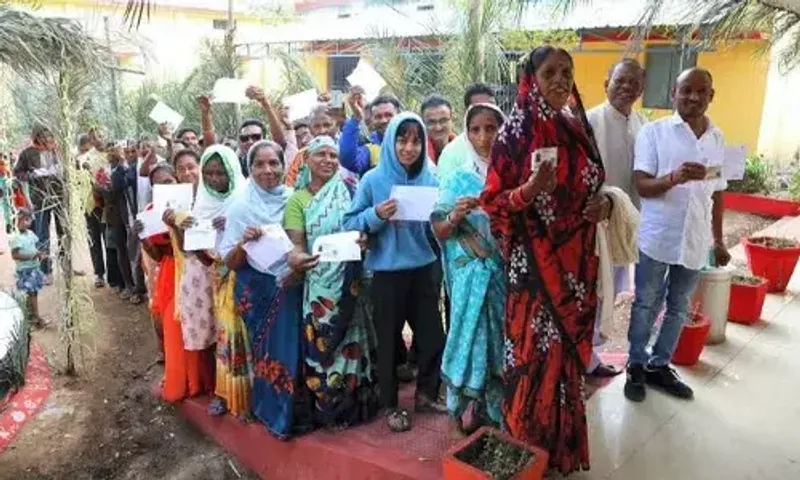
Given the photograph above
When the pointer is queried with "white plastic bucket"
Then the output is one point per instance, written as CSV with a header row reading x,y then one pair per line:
x,y
712,296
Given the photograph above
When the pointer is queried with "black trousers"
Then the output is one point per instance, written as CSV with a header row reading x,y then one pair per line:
x,y
409,355
120,242
94,225
397,296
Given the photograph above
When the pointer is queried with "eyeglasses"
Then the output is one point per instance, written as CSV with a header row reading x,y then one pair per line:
x,y
253,138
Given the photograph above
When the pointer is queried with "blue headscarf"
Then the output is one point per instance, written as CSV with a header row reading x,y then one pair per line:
x,y
390,166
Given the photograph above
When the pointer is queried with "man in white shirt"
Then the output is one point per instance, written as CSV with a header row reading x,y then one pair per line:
x,y
677,167
615,126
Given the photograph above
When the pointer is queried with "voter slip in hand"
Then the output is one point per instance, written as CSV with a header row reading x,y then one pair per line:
x,y
273,246
151,220
337,247
414,204
201,236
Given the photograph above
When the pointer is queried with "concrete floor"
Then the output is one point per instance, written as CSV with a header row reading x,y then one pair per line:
x,y
744,422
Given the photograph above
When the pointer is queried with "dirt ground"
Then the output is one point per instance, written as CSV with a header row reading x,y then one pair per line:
x,y
106,424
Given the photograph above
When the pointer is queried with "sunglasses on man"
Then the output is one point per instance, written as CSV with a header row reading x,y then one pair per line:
x,y
253,138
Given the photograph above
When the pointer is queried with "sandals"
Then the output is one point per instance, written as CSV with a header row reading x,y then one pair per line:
x,y
398,420
217,407
422,404
136,299
605,371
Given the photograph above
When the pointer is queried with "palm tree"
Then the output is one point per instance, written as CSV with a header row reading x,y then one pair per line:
x,y
58,56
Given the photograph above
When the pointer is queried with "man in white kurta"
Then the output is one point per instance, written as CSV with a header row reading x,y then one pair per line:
x,y
616,125
678,162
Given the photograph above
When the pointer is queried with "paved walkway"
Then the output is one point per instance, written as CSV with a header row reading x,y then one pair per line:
x,y
744,422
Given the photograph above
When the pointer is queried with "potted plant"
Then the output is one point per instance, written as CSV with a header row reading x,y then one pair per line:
x,y
692,339
773,258
747,299
489,454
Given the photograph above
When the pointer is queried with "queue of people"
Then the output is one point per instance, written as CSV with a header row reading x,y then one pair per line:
x,y
541,214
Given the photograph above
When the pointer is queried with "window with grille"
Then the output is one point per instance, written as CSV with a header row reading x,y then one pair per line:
x,y
663,65
339,67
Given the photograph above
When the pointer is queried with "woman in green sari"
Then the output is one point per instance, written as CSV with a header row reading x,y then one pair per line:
x,y
336,332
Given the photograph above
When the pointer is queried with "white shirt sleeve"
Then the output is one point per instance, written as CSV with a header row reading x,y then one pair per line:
x,y
645,153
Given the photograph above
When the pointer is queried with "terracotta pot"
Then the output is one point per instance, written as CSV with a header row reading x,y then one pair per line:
x,y
774,264
747,302
455,469
692,340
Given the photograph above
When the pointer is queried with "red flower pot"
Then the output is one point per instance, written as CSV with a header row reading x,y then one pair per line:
x,y
774,264
456,469
747,302
692,340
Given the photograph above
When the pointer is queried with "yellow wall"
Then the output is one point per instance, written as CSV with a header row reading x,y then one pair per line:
x,y
740,78
317,64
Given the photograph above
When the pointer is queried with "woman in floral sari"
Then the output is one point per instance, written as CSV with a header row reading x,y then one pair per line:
x,y
220,181
337,339
472,365
269,298
544,218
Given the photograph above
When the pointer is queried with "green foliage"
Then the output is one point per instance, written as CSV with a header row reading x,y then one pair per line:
x,y
756,177
794,184
524,40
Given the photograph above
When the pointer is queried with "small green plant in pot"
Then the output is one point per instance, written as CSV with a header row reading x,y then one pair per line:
x,y
747,298
773,258
489,454
756,177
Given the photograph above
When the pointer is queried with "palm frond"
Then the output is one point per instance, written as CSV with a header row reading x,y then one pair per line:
x,y
136,9
37,45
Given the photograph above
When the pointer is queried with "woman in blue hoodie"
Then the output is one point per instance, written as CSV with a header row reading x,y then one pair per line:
x,y
402,260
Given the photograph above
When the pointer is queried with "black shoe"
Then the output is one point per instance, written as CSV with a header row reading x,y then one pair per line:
x,y
667,379
405,373
634,385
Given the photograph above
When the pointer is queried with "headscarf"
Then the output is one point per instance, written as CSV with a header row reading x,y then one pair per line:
x,y
460,153
390,166
320,142
210,203
255,207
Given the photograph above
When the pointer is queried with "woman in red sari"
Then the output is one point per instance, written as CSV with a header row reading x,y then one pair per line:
x,y
544,218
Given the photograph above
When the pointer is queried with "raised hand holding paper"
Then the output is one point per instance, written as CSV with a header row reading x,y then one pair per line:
x,y
366,77
301,104
161,113
268,250
733,165
178,197
151,221
202,236
337,247
229,90
414,204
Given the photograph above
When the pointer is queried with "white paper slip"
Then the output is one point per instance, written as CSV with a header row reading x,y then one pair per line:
x,y
202,236
177,197
151,220
733,165
714,172
273,246
161,113
368,78
229,90
301,104
337,247
414,204
337,99
541,155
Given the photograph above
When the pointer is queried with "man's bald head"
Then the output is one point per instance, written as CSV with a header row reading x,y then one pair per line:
x,y
692,72
625,84
693,92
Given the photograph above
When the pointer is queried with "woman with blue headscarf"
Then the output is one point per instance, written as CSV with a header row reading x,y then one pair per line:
x,y
269,299
402,260
337,337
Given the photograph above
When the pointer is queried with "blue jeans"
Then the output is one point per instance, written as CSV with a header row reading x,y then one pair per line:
x,y
655,282
41,227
